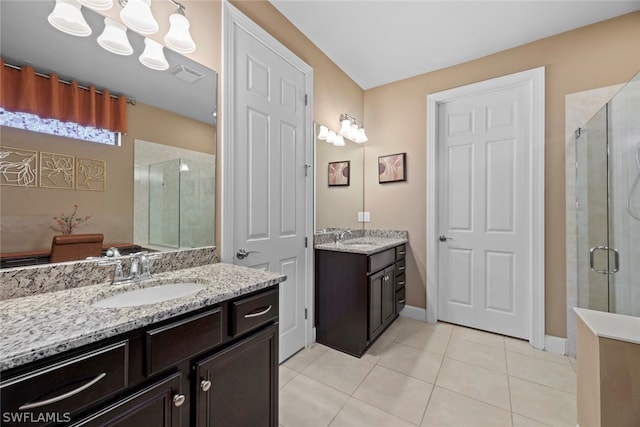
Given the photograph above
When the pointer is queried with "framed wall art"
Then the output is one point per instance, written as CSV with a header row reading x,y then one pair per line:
x,y
18,167
339,173
392,168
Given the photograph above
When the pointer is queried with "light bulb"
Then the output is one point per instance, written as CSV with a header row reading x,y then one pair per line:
x,y
339,142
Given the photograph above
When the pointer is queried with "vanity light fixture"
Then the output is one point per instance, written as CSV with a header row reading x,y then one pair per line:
x,y
153,56
136,14
352,129
97,4
114,38
67,17
178,38
339,142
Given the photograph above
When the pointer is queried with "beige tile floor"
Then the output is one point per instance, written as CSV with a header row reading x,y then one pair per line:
x,y
420,374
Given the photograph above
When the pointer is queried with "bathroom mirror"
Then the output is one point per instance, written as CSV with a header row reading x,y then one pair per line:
x,y
167,110
337,206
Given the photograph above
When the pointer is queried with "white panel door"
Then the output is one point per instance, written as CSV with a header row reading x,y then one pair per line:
x,y
484,211
269,176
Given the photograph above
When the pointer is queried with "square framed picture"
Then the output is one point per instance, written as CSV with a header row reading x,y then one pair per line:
x,y
339,173
392,168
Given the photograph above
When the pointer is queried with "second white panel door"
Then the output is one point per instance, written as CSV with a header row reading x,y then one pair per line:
x,y
484,211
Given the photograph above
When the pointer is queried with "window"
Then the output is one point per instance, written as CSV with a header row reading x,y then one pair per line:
x,y
34,123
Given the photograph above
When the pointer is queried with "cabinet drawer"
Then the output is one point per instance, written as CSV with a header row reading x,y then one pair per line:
x,y
401,266
400,281
381,260
252,312
70,385
401,251
170,344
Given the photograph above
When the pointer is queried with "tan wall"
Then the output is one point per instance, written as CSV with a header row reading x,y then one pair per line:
x,y
26,212
395,117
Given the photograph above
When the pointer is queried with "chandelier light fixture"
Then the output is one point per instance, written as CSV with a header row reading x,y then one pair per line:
x,y
135,15
349,128
352,129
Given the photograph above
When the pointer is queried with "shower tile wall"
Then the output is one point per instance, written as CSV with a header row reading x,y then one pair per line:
x,y
579,108
625,229
147,153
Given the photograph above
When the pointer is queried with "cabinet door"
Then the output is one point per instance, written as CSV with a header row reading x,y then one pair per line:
x,y
157,405
239,385
376,284
388,295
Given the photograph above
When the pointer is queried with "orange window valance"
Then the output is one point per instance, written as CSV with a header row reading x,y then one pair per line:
x,y
21,89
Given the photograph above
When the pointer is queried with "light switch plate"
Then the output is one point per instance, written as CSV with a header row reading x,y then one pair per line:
x,y
360,216
367,216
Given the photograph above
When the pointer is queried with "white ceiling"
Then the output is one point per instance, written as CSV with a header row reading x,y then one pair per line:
x,y
381,41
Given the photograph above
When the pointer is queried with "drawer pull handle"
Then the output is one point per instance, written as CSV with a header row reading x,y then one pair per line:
x,y
257,313
62,396
205,385
401,268
401,301
401,252
401,283
178,400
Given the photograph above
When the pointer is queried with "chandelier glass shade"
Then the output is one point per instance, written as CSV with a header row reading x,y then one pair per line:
x,y
67,17
114,38
137,16
153,56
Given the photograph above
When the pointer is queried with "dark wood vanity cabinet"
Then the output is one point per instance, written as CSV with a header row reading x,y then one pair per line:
x,y
357,296
239,386
215,366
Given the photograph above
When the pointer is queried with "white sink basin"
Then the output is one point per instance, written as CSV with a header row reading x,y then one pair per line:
x,y
359,244
150,295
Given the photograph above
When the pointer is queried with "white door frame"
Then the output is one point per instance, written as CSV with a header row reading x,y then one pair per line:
x,y
233,17
534,79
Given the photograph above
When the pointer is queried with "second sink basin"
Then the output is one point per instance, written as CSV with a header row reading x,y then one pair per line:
x,y
149,295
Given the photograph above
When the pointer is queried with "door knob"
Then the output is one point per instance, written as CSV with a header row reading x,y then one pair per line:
x,y
444,238
242,254
205,385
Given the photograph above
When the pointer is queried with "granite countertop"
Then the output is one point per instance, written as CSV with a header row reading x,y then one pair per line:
x,y
38,326
611,325
367,245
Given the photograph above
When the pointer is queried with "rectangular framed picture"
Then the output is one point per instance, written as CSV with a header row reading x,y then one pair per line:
x,y
339,173
392,168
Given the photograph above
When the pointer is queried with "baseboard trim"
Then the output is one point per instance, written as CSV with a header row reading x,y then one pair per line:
x,y
415,313
555,344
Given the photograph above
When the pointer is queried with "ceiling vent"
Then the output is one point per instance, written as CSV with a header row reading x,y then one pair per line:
x,y
186,74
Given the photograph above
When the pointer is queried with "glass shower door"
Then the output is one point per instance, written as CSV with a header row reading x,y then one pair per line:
x,y
608,205
592,213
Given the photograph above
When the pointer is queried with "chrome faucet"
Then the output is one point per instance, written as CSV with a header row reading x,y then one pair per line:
x,y
339,236
140,268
